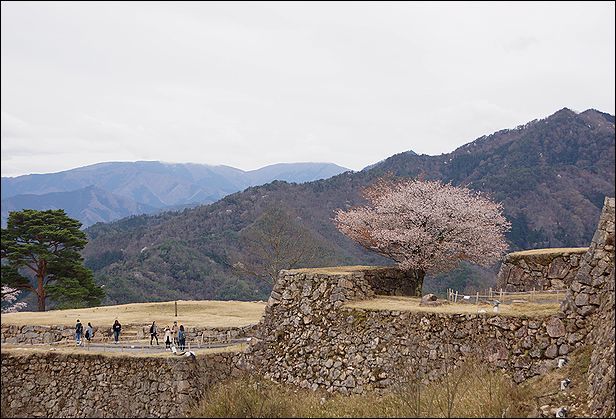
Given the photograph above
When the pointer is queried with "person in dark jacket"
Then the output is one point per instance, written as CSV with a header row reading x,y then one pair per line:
x,y
89,332
117,327
182,337
78,332
153,332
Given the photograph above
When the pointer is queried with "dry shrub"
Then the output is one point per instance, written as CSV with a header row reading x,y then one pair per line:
x,y
471,390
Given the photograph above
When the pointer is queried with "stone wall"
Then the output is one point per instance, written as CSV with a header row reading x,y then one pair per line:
x,y
309,338
583,296
80,385
601,372
540,269
592,293
16,334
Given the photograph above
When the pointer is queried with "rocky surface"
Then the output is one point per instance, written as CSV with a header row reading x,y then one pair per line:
x,y
583,296
595,283
601,372
77,385
309,338
540,269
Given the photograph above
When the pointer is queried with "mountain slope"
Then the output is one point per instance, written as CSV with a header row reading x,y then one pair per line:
x,y
551,176
149,184
90,205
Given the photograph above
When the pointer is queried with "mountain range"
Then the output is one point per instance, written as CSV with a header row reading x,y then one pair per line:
x,y
551,176
105,192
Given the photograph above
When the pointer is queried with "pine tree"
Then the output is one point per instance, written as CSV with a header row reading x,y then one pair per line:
x,y
46,245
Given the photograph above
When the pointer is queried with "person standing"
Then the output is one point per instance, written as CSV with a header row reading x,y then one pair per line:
x,y
153,332
89,332
174,332
117,327
181,337
78,332
167,338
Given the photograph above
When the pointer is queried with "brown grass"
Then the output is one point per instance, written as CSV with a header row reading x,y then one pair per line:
x,y
479,393
545,389
471,390
335,270
549,251
412,304
190,313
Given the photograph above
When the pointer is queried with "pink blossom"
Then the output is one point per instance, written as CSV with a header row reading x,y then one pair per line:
x,y
9,295
427,225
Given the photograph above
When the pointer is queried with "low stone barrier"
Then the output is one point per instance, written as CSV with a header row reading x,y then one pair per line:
x,y
15,334
539,269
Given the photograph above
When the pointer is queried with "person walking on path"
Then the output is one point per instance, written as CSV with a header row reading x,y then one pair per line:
x,y
78,332
174,332
117,327
167,338
89,332
153,332
181,337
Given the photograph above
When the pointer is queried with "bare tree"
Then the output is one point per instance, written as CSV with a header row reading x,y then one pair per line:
x,y
274,242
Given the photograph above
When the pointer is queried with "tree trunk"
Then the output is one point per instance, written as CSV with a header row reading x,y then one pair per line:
x,y
419,277
41,300
40,289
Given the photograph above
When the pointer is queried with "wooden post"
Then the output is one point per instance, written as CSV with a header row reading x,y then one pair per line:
x,y
490,293
176,309
456,298
477,298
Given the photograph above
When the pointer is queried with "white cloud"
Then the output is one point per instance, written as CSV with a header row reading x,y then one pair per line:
x,y
249,84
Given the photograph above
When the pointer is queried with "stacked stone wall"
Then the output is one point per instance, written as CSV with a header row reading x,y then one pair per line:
x,y
309,338
78,385
592,296
28,334
540,269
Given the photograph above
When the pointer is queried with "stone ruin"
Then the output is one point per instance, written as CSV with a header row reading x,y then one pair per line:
x,y
539,269
310,338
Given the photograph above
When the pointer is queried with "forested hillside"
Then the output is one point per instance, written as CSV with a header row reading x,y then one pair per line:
x,y
551,176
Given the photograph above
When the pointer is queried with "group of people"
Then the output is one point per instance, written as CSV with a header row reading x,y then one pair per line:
x,y
79,333
174,335
117,327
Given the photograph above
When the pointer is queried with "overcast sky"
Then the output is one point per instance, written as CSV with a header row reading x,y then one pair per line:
x,y
247,84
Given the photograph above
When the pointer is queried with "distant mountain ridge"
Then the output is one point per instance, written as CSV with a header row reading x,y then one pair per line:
x,y
551,176
108,191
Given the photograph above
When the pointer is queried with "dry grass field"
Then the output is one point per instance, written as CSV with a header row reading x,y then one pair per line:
x,y
412,304
190,313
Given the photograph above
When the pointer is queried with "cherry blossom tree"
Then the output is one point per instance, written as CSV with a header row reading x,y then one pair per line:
x,y
427,226
9,295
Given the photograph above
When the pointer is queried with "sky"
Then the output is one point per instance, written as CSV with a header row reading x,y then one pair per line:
x,y
252,84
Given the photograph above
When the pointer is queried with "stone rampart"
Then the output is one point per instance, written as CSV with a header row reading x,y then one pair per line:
x,y
83,385
539,269
310,338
